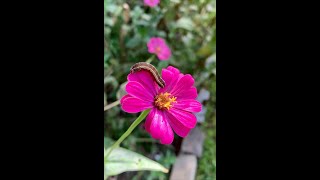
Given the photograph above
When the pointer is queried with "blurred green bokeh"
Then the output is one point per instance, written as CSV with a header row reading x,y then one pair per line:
x,y
189,28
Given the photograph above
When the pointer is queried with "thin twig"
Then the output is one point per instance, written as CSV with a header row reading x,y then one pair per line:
x,y
109,106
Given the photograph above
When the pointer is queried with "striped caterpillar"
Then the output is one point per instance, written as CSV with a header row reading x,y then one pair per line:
x,y
146,66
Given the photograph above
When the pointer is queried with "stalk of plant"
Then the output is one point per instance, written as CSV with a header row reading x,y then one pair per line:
x,y
128,132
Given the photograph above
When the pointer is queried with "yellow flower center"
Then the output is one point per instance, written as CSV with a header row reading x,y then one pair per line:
x,y
164,101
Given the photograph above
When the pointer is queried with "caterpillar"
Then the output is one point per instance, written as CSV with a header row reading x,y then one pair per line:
x,y
149,67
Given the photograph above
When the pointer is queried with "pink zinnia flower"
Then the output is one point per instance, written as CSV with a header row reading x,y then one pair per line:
x,y
172,107
151,3
159,47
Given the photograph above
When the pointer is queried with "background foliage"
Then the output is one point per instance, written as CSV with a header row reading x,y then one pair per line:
x,y
189,28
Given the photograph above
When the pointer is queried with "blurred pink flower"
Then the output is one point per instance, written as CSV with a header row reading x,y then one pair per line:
x,y
158,46
151,3
172,107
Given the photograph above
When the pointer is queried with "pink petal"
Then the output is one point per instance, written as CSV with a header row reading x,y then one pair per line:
x,y
191,93
190,105
149,119
168,138
131,104
151,3
173,70
160,128
158,125
151,46
171,76
154,43
125,97
165,53
135,89
159,41
145,79
186,118
185,83
177,126
169,79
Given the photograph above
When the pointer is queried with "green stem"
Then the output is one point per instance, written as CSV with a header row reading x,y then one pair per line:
x,y
128,132
150,59
111,105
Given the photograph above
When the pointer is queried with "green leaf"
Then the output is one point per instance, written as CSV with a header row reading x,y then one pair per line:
x,y
175,1
133,42
121,160
185,23
205,50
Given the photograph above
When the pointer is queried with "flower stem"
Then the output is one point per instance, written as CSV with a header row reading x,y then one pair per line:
x,y
109,106
128,132
150,59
